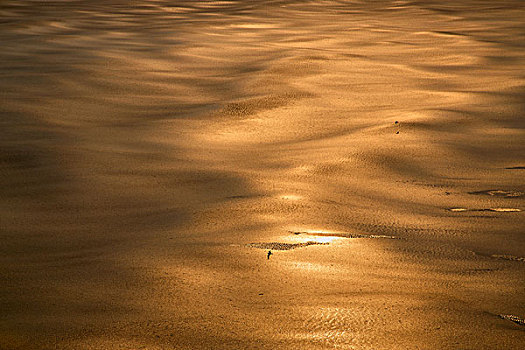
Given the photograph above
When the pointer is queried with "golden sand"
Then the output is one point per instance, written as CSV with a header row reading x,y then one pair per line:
x,y
153,151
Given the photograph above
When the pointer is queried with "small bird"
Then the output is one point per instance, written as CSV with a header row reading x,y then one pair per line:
x,y
269,253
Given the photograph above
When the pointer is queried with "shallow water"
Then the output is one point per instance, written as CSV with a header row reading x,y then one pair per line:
x,y
145,147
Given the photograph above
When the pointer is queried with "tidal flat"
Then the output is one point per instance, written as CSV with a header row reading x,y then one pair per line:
x,y
152,152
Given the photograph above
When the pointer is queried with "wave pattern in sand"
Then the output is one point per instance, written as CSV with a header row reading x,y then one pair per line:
x,y
144,145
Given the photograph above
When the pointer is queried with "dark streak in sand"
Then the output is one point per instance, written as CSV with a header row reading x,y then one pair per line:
x,y
499,193
513,318
342,234
283,246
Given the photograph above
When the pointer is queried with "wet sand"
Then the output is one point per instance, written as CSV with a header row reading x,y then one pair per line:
x,y
152,153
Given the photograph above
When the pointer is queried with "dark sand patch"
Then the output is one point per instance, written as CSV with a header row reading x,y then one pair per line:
x,y
444,32
478,271
283,246
248,196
